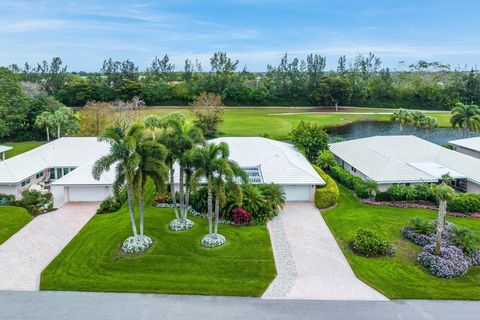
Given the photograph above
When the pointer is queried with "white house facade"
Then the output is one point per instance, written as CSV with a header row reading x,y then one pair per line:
x,y
390,160
270,161
469,146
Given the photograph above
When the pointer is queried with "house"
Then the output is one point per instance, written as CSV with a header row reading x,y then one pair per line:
x,y
62,166
470,146
390,160
3,150
270,161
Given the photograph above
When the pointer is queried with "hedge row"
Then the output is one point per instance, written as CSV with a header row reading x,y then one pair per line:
x,y
326,196
350,181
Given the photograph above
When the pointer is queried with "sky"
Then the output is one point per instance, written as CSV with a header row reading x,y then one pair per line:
x,y
256,32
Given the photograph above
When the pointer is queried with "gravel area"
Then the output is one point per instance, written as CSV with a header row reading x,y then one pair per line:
x,y
24,256
310,264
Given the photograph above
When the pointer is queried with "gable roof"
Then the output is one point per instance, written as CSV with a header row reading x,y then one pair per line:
x,y
63,152
278,162
469,143
390,159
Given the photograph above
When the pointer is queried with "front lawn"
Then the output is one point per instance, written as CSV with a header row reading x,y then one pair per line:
x,y
175,263
398,277
21,147
12,219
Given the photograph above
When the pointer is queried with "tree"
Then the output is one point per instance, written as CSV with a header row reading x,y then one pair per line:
x,y
45,120
335,90
14,104
466,117
416,119
326,159
95,117
274,195
161,68
403,117
309,138
371,187
428,123
65,120
208,111
443,193
153,122
124,155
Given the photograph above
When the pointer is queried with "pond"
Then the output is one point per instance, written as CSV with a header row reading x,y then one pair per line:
x,y
377,128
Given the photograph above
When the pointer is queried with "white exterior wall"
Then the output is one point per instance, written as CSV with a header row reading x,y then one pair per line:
x,y
11,189
88,193
473,187
469,152
59,196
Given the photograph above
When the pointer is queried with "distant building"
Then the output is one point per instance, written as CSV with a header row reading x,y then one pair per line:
x,y
408,160
470,146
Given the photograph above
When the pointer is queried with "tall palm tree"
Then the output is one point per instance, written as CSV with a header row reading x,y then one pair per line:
x,y
428,123
444,193
403,117
371,186
466,117
152,164
45,120
416,119
153,122
124,155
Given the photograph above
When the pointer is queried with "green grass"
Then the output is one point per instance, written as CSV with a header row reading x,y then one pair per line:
x,y
12,219
21,147
175,264
398,277
277,122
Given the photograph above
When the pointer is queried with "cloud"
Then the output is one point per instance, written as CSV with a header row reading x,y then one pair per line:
x,y
33,25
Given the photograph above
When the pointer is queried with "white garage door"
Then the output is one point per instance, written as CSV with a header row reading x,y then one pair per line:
x,y
87,193
297,193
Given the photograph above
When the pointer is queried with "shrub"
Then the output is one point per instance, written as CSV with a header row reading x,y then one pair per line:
x,y
422,226
163,198
423,191
465,203
452,262
382,197
350,181
35,201
113,203
401,192
198,199
370,244
326,196
241,217
464,239
7,199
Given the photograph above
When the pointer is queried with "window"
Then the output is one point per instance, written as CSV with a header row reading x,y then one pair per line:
x,y
39,175
353,169
59,173
52,173
25,182
66,171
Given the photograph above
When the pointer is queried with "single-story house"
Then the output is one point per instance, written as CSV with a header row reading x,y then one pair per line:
x,y
390,160
270,161
3,150
470,146
62,166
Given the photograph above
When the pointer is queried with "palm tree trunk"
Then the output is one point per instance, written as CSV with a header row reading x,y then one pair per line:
x,y
401,129
141,205
153,134
217,209
58,132
442,209
209,203
187,200
48,133
172,190
131,208
182,196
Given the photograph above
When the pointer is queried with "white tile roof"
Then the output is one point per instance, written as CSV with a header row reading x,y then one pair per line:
x,y
5,148
469,143
64,152
279,162
391,159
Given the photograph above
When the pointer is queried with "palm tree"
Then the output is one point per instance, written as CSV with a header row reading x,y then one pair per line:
x,y
45,120
466,117
416,120
443,192
428,123
274,195
403,117
326,159
153,122
152,164
371,186
253,199
124,155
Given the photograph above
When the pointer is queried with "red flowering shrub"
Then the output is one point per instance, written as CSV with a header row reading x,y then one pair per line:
x,y
241,217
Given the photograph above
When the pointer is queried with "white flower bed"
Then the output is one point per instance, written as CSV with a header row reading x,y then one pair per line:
x,y
193,212
136,244
178,225
212,241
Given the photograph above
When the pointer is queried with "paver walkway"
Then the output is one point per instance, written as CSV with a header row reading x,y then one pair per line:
x,y
24,256
310,264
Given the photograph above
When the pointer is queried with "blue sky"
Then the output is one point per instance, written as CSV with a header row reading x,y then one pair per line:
x,y
257,32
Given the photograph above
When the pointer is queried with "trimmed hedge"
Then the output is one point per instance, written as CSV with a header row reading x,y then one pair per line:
x,y
350,181
327,195
464,203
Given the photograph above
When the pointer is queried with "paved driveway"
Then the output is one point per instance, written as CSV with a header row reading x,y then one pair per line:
x,y
310,264
24,256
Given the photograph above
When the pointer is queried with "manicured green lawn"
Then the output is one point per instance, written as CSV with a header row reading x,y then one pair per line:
x,y
175,263
277,122
12,219
21,147
398,277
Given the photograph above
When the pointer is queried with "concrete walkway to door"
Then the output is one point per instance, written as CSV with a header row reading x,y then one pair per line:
x,y
310,264
24,256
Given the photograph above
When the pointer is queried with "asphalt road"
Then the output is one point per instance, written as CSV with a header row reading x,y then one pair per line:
x,y
105,306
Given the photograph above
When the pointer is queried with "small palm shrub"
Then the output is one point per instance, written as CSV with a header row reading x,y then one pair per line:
x,y
326,159
464,239
422,226
369,244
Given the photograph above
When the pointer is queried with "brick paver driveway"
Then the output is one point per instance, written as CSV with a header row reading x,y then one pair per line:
x,y
24,256
310,264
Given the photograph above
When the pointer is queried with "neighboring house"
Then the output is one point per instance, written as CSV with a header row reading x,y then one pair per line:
x,y
270,161
390,160
3,150
470,146
62,166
